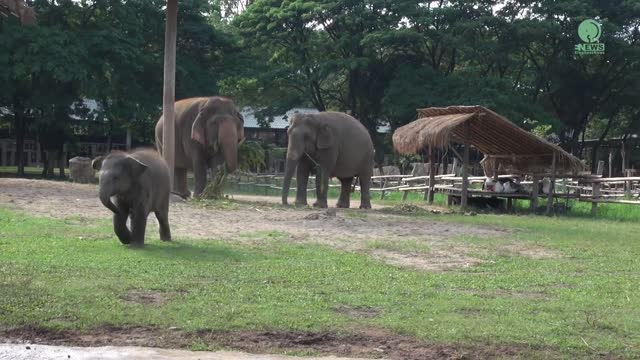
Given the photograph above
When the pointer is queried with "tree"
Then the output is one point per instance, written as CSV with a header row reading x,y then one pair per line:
x,y
578,88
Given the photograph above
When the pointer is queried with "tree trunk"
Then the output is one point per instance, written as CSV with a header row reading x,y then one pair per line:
x,y
594,152
109,136
61,162
19,119
45,163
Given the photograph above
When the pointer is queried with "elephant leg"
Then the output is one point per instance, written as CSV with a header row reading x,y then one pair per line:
x,y
120,227
138,227
199,173
322,188
180,182
302,179
163,221
365,197
345,193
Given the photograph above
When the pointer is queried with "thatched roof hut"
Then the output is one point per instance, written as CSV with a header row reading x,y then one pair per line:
x,y
507,147
19,9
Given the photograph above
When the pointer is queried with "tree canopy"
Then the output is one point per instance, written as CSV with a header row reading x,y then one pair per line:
x,y
377,59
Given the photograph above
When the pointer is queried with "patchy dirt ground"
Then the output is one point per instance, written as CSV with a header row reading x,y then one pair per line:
x,y
419,242
360,343
49,352
249,218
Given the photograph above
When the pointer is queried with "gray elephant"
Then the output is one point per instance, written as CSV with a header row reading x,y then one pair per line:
x,y
336,145
139,183
207,134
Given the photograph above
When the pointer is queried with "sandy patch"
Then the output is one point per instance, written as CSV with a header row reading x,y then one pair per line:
x,y
247,219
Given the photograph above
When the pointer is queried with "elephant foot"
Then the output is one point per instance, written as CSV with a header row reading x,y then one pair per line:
x,y
125,240
181,195
342,205
365,206
165,237
320,204
301,203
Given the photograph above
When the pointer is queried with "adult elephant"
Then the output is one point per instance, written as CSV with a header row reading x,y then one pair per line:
x,y
208,132
336,145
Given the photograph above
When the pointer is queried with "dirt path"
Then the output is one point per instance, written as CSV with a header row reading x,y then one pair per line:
x,y
426,243
46,352
250,218
138,342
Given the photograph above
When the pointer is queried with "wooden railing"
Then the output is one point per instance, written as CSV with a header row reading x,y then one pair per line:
x,y
593,189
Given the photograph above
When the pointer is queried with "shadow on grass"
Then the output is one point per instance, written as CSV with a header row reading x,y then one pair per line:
x,y
203,252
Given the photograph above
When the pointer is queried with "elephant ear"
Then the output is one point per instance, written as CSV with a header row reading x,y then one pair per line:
x,y
137,167
325,137
240,117
197,129
97,163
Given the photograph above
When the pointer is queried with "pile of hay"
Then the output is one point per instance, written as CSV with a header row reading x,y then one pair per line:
x,y
80,170
250,156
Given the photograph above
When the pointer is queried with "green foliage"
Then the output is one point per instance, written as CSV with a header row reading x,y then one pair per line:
x,y
251,156
579,289
378,59
277,153
110,51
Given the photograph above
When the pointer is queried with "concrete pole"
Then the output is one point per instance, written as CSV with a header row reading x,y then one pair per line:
x,y
128,139
169,98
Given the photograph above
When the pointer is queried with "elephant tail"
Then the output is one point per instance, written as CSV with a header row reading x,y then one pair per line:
x,y
159,146
159,143
158,134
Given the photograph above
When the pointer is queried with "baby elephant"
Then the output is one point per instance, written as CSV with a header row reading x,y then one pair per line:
x,y
139,183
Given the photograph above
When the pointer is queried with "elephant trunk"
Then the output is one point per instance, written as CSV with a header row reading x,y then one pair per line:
x,y
228,139
289,169
105,197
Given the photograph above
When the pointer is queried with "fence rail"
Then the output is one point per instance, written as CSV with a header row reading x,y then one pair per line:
x,y
592,189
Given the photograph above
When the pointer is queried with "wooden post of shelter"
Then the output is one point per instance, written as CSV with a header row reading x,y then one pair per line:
x,y
600,169
168,102
610,163
552,185
534,193
454,166
624,157
465,165
432,174
628,185
595,189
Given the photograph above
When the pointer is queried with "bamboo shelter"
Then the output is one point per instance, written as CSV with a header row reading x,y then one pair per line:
x,y
507,148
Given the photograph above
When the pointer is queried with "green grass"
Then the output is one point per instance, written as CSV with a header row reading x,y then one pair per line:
x,y
620,212
73,273
403,247
29,172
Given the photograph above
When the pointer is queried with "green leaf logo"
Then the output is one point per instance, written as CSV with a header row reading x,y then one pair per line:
x,y
590,31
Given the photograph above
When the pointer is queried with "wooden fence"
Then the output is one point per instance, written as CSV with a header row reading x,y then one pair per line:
x,y
593,189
